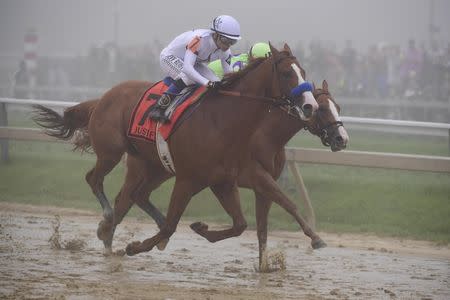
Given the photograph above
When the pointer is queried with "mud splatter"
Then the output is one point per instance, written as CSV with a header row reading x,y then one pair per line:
x,y
192,268
57,244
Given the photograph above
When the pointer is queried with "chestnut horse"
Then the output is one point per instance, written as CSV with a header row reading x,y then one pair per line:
x,y
207,148
262,166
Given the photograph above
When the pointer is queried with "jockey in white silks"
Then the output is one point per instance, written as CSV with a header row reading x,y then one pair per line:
x,y
186,59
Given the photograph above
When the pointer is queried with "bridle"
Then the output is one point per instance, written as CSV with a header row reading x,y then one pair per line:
x,y
323,131
271,100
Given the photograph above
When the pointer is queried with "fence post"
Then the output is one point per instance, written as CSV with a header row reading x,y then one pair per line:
x,y
4,144
310,215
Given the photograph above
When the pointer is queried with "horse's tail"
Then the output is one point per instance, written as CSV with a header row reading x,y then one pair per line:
x,y
74,122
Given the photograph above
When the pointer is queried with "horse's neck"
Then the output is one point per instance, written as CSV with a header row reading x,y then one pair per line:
x,y
276,124
237,118
261,87
279,127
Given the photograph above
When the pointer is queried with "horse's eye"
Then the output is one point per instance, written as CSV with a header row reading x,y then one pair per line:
x,y
287,74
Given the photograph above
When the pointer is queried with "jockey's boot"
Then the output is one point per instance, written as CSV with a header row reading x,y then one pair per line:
x,y
158,110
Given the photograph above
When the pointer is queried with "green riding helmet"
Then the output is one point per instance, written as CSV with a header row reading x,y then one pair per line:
x,y
260,50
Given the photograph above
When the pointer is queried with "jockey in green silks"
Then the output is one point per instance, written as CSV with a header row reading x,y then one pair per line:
x,y
240,61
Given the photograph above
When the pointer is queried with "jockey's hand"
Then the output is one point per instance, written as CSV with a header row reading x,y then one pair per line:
x,y
214,84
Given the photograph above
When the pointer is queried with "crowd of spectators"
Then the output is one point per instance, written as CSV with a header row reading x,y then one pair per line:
x,y
384,70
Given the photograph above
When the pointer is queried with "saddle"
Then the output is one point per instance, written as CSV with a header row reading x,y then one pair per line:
x,y
142,127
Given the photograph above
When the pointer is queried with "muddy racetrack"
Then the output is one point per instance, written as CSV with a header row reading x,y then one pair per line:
x,y
351,267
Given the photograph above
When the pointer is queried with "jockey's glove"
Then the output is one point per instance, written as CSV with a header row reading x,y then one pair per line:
x,y
213,84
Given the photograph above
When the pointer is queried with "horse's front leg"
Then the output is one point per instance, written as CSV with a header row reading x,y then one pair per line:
x,y
181,195
265,185
228,196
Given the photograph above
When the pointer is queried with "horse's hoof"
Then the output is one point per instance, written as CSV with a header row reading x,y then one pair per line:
x,y
162,245
133,248
107,252
199,227
104,230
120,252
317,244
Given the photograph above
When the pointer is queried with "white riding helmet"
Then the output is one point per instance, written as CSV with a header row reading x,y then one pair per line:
x,y
227,26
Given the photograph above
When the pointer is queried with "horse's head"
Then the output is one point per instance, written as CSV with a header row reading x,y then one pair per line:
x,y
289,80
279,79
327,124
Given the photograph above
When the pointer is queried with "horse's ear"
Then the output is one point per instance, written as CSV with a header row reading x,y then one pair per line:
x,y
314,86
287,48
325,85
273,50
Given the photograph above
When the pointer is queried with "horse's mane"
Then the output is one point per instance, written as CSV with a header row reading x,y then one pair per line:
x,y
231,78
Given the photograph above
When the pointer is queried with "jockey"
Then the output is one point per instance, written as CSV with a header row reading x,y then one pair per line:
x,y
240,61
185,59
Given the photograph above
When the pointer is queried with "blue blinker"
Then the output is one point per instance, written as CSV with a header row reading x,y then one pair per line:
x,y
301,88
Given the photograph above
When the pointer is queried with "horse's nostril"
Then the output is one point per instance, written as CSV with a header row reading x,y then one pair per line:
x,y
307,109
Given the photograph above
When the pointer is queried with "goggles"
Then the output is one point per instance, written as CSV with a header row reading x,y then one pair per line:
x,y
227,41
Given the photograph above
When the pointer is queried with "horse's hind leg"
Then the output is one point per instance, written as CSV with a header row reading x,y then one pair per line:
x,y
95,178
136,189
105,230
262,207
228,196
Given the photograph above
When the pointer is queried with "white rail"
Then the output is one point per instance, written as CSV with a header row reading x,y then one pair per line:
x,y
41,102
389,122
317,156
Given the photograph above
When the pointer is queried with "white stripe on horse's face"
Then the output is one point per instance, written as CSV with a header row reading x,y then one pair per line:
x,y
334,110
298,72
342,132
309,97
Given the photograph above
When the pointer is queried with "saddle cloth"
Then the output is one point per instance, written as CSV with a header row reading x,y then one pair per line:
x,y
142,127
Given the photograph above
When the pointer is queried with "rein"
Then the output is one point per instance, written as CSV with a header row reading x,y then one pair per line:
x,y
274,101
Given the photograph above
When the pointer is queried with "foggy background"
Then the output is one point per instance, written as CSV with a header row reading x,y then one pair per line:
x,y
93,44
72,26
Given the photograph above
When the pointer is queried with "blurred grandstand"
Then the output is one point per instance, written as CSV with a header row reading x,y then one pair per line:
x,y
409,82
